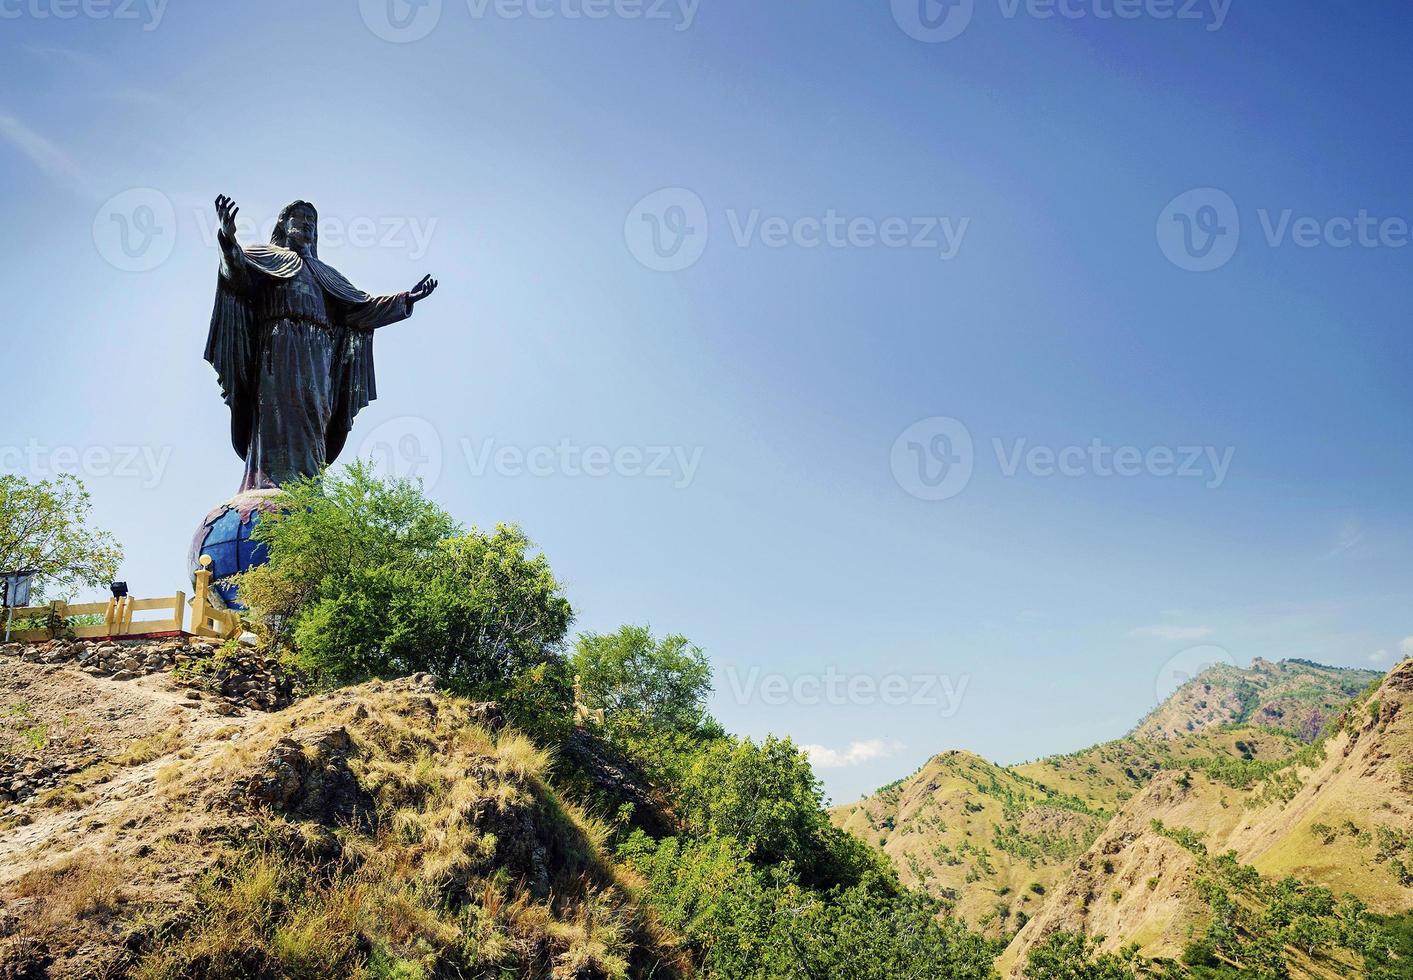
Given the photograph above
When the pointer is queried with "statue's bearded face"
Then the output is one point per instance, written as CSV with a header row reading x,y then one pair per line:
x,y
301,228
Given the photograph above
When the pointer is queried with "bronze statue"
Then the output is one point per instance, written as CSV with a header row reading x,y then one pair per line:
x,y
292,344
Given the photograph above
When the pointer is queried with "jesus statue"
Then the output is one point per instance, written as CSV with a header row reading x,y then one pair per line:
x,y
292,344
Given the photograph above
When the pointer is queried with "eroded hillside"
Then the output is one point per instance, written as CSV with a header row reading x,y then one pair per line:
x,y
1219,864
1293,696
156,831
984,839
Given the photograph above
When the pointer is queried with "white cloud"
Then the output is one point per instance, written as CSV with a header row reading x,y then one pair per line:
x,y
855,755
1349,537
48,156
1378,656
1406,647
1174,633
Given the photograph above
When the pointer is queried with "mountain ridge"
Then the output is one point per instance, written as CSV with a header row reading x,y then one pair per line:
x,y
1219,762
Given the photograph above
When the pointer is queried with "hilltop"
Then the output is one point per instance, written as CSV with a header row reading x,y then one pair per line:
x,y
1125,840
1293,696
993,841
1339,818
173,833
984,839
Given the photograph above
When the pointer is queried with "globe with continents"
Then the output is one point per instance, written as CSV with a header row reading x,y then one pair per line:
x,y
225,536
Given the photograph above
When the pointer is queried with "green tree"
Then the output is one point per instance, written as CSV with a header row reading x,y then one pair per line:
x,y
743,922
44,528
367,577
658,684
1076,956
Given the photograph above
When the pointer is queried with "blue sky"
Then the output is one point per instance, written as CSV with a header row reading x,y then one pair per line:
x,y
874,246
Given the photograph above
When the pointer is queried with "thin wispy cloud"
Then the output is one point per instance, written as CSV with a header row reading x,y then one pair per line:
x,y
856,754
1378,656
1171,632
1405,647
44,153
1350,536
96,78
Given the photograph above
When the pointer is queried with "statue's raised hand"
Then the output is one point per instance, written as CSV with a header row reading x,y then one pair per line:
x,y
226,210
422,290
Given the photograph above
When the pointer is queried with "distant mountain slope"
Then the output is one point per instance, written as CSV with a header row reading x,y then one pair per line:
x,y
1000,844
977,835
1108,774
1340,817
984,836
1294,696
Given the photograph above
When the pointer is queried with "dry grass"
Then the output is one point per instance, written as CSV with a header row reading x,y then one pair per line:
x,y
67,797
75,887
144,750
474,867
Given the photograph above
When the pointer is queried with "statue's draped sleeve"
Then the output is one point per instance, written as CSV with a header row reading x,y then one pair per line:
x,y
233,342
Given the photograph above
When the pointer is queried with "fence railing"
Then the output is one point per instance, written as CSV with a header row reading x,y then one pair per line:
x,y
206,619
119,619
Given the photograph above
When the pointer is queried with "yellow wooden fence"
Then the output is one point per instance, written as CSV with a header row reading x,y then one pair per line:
x,y
119,620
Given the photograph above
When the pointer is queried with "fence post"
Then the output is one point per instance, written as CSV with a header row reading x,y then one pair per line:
x,y
198,599
110,617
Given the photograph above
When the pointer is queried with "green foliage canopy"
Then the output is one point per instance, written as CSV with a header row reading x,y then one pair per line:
x,y
44,528
369,578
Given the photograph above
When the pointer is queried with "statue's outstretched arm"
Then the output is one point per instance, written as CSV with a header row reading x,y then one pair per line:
x,y
383,310
233,262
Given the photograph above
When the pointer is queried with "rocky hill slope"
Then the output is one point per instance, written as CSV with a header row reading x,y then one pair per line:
x,y
1123,839
993,841
1294,696
983,838
1339,818
152,826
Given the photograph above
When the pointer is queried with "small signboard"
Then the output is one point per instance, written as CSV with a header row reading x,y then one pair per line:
x,y
14,588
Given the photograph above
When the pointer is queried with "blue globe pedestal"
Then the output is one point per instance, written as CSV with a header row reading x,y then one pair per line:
x,y
225,536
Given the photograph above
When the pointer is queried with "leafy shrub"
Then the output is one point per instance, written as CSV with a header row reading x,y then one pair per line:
x,y
369,578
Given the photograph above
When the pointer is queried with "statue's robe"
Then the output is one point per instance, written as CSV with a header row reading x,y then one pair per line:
x,y
292,344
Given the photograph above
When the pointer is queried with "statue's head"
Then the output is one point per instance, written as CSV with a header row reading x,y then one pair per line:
x,y
297,228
